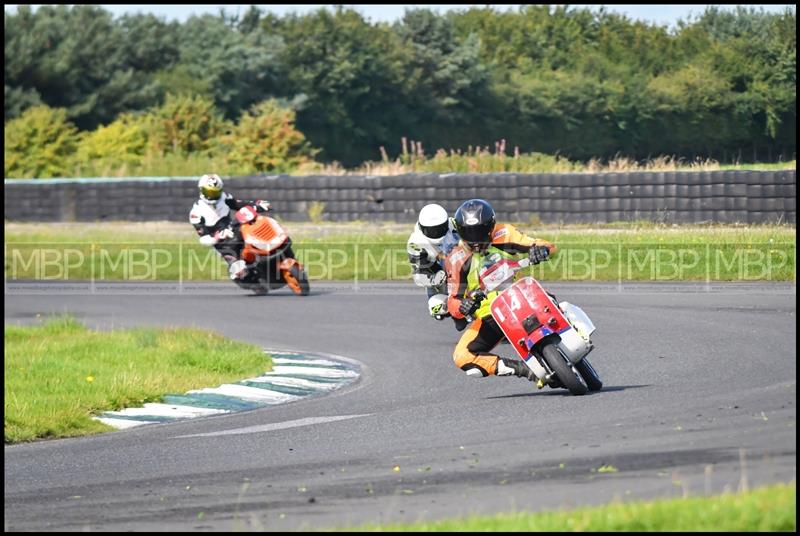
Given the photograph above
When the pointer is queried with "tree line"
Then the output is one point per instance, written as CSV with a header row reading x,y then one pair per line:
x,y
557,80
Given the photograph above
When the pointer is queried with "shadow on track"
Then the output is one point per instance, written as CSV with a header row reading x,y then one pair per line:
x,y
285,293
564,392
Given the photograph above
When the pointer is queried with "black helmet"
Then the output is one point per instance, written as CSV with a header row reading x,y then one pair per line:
x,y
475,221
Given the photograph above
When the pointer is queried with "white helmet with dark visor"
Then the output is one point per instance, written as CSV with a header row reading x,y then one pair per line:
x,y
433,222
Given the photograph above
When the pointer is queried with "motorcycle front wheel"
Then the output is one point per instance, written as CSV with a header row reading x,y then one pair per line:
x,y
564,369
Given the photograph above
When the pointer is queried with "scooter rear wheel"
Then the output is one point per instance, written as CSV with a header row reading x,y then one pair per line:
x,y
297,280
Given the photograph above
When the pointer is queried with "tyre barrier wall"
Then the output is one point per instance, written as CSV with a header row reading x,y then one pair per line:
x,y
679,197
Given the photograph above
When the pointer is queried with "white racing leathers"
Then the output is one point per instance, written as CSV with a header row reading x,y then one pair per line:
x,y
212,225
427,256
208,219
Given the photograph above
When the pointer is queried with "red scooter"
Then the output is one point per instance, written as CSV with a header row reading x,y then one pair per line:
x,y
552,338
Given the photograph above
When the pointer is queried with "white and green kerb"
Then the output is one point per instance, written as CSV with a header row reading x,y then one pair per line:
x,y
295,375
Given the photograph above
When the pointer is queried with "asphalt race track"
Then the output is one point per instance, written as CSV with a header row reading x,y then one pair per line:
x,y
699,397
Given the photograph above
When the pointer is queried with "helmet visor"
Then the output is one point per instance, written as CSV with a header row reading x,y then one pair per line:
x,y
434,231
477,234
211,192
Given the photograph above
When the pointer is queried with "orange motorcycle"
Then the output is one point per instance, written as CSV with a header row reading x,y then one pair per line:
x,y
266,258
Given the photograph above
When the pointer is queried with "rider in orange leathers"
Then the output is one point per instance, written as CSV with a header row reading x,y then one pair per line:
x,y
481,238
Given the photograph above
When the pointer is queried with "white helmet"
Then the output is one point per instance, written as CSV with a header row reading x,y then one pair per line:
x,y
433,222
210,186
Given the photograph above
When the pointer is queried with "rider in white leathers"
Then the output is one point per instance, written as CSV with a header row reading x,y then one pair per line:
x,y
211,217
433,238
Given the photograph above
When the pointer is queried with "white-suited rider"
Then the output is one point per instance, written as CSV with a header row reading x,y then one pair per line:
x,y
434,236
211,217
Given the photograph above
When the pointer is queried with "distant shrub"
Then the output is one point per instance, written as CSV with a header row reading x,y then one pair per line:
x,y
473,160
118,146
315,211
185,124
39,143
266,140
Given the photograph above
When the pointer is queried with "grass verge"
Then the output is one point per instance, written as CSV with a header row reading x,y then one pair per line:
x,y
119,252
58,374
767,509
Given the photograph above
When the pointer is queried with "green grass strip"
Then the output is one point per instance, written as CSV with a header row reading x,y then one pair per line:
x,y
59,374
643,253
767,509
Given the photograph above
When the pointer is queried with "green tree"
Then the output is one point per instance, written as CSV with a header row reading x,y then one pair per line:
x,y
446,76
18,99
756,52
235,69
352,76
595,84
548,78
148,43
444,80
74,58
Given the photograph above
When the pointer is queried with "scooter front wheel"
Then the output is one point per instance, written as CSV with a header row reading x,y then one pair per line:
x,y
564,369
